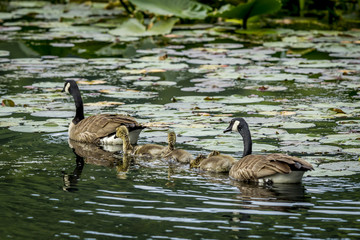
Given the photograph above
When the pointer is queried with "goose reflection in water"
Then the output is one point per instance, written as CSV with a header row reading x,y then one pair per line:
x,y
275,199
92,154
70,180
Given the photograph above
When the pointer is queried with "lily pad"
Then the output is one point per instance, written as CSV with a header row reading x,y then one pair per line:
x,y
297,125
4,53
132,27
342,166
30,127
343,139
277,77
131,94
312,149
54,114
180,8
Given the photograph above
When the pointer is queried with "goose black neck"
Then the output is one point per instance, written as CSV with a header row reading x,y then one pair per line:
x,y
245,133
78,104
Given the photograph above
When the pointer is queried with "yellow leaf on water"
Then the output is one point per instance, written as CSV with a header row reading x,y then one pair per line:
x,y
105,91
163,57
337,110
104,103
287,113
154,70
93,82
157,124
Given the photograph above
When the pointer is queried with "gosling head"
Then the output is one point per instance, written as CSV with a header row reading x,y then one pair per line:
x,y
122,132
195,163
213,153
69,86
172,138
236,124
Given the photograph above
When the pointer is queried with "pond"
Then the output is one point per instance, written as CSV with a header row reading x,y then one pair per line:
x,y
298,90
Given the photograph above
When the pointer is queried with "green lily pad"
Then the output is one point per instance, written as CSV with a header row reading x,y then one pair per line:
x,y
355,151
9,122
54,114
277,77
267,88
179,8
159,83
297,125
353,166
312,149
343,139
4,53
132,27
43,126
131,94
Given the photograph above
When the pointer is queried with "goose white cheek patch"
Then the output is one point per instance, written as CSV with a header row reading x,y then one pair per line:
x,y
235,126
67,88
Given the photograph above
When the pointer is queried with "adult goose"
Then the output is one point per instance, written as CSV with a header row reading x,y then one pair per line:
x,y
172,153
99,129
146,150
271,168
214,162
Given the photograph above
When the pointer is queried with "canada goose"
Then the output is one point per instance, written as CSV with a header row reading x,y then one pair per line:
x,y
150,150
271,168
98,129
173,153
214,162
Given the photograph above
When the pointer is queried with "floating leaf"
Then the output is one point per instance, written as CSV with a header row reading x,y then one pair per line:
x,y
132,27
8,103
342,166
54,114
4,53
179,8
343,139
252,8
312,149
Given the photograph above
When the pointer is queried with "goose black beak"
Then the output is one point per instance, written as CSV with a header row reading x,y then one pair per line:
x,y
229,128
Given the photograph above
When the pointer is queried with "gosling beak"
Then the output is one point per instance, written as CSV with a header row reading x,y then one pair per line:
x,y
228,129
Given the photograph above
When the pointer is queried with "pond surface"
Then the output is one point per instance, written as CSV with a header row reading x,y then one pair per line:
x,y
298,90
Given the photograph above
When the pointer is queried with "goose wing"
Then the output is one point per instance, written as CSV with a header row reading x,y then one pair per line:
x,y
253,167
93,128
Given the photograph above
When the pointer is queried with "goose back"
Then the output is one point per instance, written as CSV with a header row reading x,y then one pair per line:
x,y
94,128
255,167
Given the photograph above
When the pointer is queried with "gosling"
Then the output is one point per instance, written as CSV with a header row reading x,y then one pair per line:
x,y
147,150
176,154
214,162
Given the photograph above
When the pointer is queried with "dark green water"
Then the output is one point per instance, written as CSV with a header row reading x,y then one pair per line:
x,y
302,103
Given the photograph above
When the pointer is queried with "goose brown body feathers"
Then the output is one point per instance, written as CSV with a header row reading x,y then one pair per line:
x,y
255,167
101,128
94,128
275,168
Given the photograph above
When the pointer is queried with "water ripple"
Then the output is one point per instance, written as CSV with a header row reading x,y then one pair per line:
x,y
158,218
109,234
